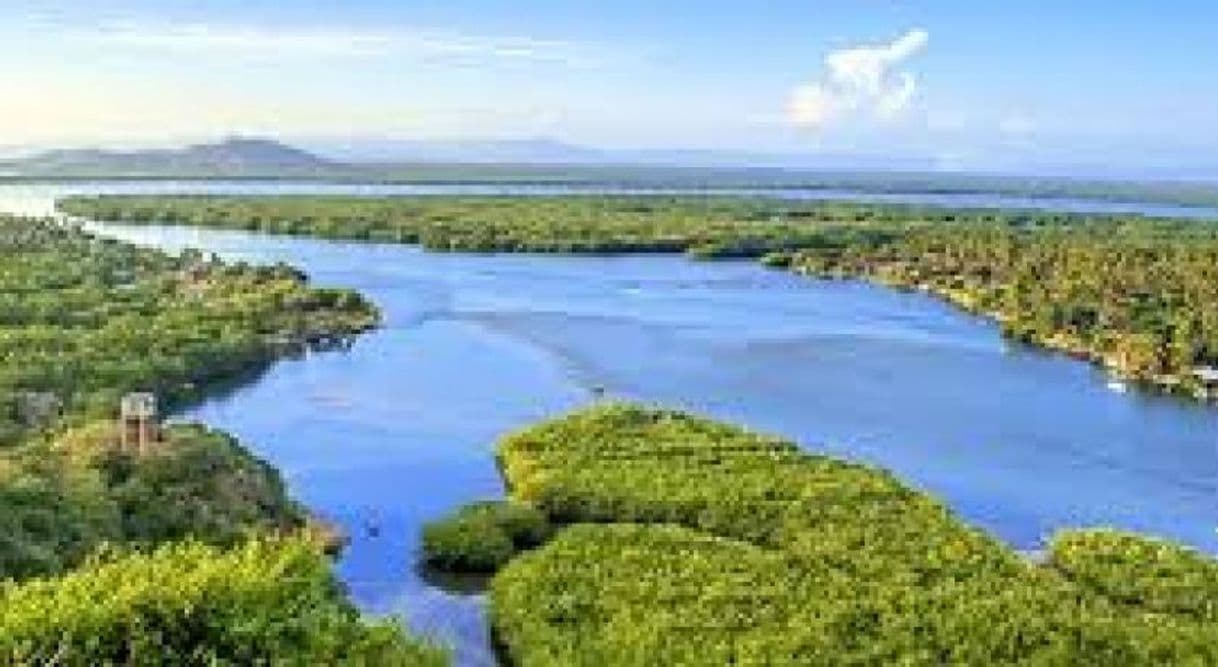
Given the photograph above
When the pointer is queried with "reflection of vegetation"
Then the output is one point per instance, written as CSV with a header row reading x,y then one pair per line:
x,y
483,536
698,543
82,322
454,583
1140,296
265,602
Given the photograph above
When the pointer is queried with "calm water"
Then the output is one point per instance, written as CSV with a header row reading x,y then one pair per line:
x,y
401,428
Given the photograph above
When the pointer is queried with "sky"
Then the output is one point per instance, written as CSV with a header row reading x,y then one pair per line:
x,y
947,83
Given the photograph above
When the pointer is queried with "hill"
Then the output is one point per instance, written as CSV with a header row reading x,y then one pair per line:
x,y
232,158
541,161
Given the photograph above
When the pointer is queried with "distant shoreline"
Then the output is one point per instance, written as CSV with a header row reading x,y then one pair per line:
x,y
711,180
977,201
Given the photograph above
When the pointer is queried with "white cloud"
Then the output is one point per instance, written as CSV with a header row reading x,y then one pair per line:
x,y
430,45
860,81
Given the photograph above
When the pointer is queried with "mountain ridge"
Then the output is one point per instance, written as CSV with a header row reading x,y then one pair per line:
x,y
235,156
545,161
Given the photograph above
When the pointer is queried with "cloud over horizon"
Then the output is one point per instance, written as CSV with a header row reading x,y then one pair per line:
x,y
862,81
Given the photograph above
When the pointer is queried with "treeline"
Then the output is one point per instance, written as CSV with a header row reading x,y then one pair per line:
x,y
710,227
267,602
1137,295
83,321
693,542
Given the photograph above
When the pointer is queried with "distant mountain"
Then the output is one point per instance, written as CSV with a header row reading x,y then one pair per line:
x,y
538,161
234,158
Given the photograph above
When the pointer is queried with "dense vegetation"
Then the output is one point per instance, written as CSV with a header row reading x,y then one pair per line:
x,y
61,501
482,537
698,543
694,542
716,226
265,602
1138,295
1148,574
83,321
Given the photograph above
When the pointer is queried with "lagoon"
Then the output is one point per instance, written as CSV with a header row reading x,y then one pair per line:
x,y
400,428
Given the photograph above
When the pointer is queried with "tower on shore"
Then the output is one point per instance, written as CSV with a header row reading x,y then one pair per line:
x,y
139,429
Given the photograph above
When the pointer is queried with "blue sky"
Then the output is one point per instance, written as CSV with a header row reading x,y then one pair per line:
x,y
959,84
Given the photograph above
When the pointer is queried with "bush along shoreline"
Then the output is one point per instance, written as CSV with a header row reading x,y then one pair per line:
x,y
1138,296
482,537
266,601
681,540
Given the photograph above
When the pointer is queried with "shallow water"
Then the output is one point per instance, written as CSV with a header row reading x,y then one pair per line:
x,y
401,428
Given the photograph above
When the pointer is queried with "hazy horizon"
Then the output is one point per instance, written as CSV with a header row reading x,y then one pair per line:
x,y
1090,87
543,152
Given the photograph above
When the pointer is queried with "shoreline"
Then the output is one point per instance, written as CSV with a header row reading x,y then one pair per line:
x,y
1173,385
1186,386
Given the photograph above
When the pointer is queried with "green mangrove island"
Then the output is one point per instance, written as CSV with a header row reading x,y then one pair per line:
x,y
187,551
1137,295
681,541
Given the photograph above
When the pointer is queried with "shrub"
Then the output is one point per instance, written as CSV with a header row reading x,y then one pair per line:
x,y
1144,573
266,601
61,500
483,536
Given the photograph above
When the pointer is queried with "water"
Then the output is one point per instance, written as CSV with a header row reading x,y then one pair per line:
x,y
36,197
400,429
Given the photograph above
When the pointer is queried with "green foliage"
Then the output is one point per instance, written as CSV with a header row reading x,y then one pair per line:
x,y
63,500
705,544
704,227
481,537
1139,296
85,320
1147,574
199,484
53,512
717,546
265,602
